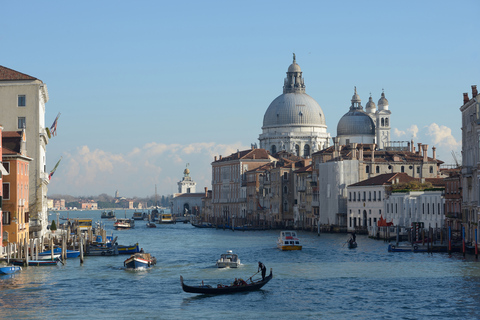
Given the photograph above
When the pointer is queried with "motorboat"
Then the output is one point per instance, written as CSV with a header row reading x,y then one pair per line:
x,y
128,249
228,260
288,241
166,218
35,263
138,215
124,224
58,251
9,269
140,260
108,215
242,286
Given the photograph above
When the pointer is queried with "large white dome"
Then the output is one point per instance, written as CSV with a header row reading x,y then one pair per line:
x,y
294,109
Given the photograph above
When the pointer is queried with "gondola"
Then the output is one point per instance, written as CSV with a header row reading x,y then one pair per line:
x,y
220,289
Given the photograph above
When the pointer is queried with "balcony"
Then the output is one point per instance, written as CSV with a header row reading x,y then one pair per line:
x,y
454,215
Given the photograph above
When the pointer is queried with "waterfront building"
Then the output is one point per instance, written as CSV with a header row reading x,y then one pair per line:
x,y
338,166
90,205
186,185
453,199
424,206
294,121
229,184
186,201
304,183
15,187
470,160
366,200
22,106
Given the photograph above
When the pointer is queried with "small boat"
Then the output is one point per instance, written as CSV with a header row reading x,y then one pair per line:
x,y
10,269
128,249
288,241
140,260
351,244
166,218
70,253
228,260
108,215
138,216
203,225
243,286
34,263
151,224
124,224
101,251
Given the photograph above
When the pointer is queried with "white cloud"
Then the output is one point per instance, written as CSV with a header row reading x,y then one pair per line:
x,y
410,132
442,136
137,171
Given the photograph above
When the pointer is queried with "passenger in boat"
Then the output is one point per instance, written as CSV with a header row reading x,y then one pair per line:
x,y
261,267
235,283
141,251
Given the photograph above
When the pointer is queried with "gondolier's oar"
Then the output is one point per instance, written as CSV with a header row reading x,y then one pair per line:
x,y
253,276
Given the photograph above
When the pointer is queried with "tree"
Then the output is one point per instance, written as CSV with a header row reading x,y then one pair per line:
x,y
53,227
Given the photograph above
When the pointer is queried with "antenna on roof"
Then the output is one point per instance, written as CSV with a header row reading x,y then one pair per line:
x,y
455,158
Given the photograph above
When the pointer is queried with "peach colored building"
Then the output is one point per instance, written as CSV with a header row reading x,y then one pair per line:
x,y
90,205
15,217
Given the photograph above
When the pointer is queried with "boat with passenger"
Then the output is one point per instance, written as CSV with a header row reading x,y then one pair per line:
x,y
140,260
124,224
138,216
238,286
288,241
228,260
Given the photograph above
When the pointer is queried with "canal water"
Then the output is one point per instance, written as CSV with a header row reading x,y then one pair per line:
x,y
325,280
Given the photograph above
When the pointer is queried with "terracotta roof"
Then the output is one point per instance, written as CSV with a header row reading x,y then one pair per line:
x,y
191,195
7,74
257,154
383,179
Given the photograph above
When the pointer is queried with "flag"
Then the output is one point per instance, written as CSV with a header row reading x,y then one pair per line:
x,y
54,168
259,207
53,128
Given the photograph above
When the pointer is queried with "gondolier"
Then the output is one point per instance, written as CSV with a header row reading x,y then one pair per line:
x,y
261,267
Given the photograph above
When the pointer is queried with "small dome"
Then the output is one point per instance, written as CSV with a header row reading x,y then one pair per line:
x,y
370,107
383,102
355,122
294,67
186,171
356,97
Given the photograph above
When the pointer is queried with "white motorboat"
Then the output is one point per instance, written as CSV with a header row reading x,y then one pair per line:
x,y
228,260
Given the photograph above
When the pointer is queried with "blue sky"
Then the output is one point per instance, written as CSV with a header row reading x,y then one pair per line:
x,y
146,87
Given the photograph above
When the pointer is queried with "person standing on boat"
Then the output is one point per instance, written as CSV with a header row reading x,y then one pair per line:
x,y
261,267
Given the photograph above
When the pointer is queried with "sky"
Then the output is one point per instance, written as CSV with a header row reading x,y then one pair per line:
x,y
147,88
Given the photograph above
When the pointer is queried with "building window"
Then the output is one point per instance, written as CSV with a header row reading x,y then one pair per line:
x,y
6,191
402,169
364,195
6,165
431,169
383,122
285,189
377,169
369,195
374,195
297,150
349,196
21,122
22,100
306,151
274,149
285,176
354,196
367,169
6,217
418,169
386,122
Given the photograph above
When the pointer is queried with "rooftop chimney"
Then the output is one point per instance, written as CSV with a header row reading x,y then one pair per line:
x,y
215,158
425,151
354,151
434,153
412,146
419,148
474,91
373,152
465,98
206,192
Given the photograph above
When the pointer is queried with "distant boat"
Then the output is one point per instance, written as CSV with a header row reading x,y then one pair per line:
x,y
35,263
288,241
10,269
166,218
58,251
138,216
128,249
151,224
108,215
124,224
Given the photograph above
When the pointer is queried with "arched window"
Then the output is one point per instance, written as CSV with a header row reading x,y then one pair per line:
x,y
285,189
402,169
306,151
297,150
431,169
367,169
377,169
383,122
386,122
274,149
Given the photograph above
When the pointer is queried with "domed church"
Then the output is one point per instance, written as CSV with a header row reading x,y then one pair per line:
x,y
371,126
294,121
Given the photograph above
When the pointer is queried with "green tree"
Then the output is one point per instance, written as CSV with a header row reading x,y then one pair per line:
x,y
53,227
